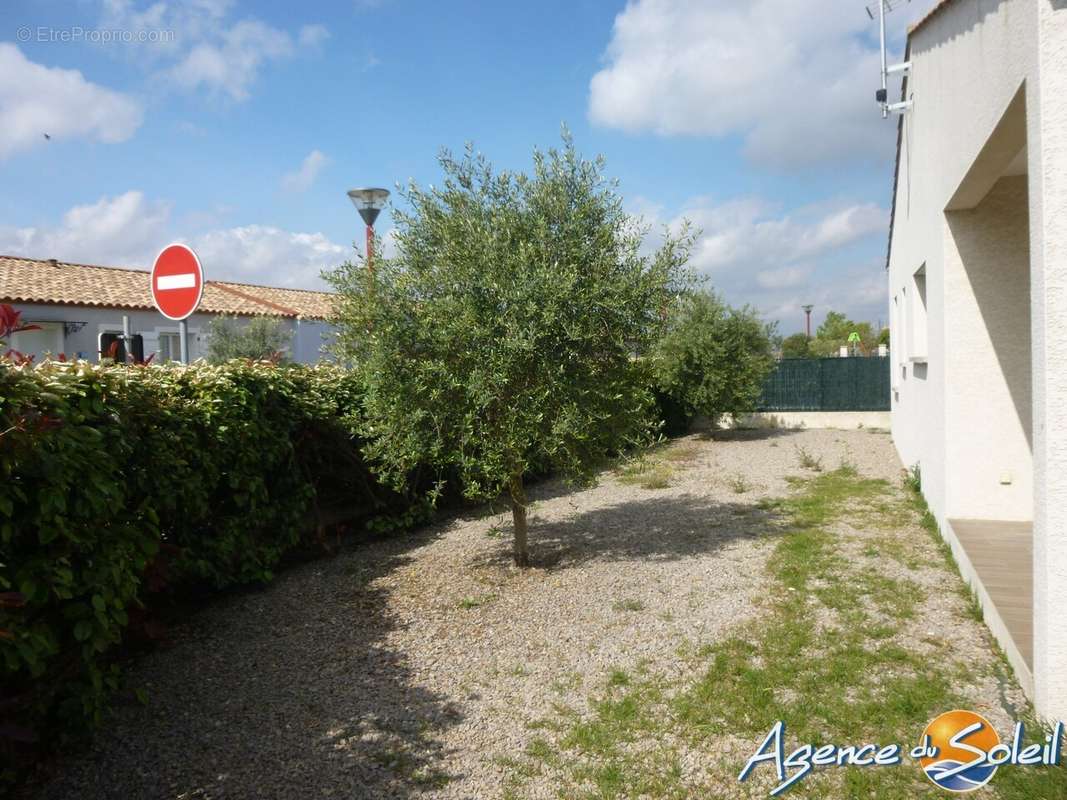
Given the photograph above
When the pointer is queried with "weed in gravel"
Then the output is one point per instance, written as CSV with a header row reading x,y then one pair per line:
x,y
468,603
739,483
619,677
807,460
627,604
567,683
656,467
681,453
646,472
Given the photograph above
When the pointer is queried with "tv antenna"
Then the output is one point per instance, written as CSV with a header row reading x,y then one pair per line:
x,y
882,95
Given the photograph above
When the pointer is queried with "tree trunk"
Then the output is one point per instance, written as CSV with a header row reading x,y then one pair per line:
x,y
518,514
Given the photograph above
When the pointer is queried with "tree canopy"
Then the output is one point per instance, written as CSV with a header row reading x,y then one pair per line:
x,y
713,359
259,338
830,337
505,334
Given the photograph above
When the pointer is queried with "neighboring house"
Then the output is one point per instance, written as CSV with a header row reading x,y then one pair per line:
x,y
978,312
80,308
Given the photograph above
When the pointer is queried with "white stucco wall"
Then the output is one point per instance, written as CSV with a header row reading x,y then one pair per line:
x,y
988,403
968,62
962,415
1047,118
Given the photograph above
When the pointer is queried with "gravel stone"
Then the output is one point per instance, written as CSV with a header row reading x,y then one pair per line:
x,y
412,666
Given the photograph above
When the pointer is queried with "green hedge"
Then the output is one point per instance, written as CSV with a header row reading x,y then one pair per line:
x,y
116,482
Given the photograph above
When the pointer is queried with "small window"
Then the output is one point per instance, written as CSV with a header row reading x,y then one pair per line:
x,y
917,331
169,347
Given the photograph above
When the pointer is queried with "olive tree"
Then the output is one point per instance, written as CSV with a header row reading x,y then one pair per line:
x,y
259,338
713,359
505,334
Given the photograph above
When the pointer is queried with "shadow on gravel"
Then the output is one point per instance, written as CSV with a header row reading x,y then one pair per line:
x,y
746,434
656,528
287,692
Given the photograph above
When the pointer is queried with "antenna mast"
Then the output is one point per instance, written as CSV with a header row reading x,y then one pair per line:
x,y
882,95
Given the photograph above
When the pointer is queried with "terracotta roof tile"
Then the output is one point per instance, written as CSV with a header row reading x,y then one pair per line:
x,y
30,280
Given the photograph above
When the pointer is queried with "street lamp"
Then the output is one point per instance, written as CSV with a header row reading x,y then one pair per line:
x,y
807,321
369,203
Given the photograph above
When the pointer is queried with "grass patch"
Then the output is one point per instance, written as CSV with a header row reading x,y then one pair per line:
x,y
826,655
656,467
627,604
646,472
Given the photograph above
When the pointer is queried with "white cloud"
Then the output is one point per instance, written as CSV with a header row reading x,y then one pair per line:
x,y
207,51
784,278
794,78
129,230
312,35
268,255
125,230
231,64
301,179
756,253
35,100
750,234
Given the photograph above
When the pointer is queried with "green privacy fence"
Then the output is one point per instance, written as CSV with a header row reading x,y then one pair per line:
x,y
827,384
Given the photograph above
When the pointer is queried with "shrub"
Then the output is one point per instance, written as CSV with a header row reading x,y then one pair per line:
x,y
119,481
259,338
796,346
713,358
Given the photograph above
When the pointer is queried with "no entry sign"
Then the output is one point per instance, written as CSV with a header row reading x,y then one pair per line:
x,y
177,281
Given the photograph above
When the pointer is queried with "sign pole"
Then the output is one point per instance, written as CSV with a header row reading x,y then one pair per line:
x,y
127,340
183,340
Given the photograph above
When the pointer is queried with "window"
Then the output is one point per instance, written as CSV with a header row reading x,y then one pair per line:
x,y
169,347
113,339
894,326
917,345
47,341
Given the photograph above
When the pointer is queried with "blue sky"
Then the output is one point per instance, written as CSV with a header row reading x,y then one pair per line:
x,y
238,127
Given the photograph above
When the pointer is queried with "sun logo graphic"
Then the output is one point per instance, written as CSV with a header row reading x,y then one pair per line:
x,y
957,751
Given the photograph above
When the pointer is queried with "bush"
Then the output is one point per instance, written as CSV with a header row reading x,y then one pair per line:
x,y
116,482
260,337
796,346
713,359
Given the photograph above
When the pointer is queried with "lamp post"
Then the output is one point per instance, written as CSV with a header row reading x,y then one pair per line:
x,y
807,320
369,203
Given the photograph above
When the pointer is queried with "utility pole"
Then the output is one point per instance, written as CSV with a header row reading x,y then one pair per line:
x,y
807,318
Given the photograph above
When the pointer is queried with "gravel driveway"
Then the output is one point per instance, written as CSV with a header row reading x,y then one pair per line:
x,y
413,667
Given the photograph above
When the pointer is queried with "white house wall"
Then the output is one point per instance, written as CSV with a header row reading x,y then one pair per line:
x,y
82,339
970,60
1047,117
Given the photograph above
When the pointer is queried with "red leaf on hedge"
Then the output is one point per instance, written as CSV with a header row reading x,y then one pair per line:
x,y
12,599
